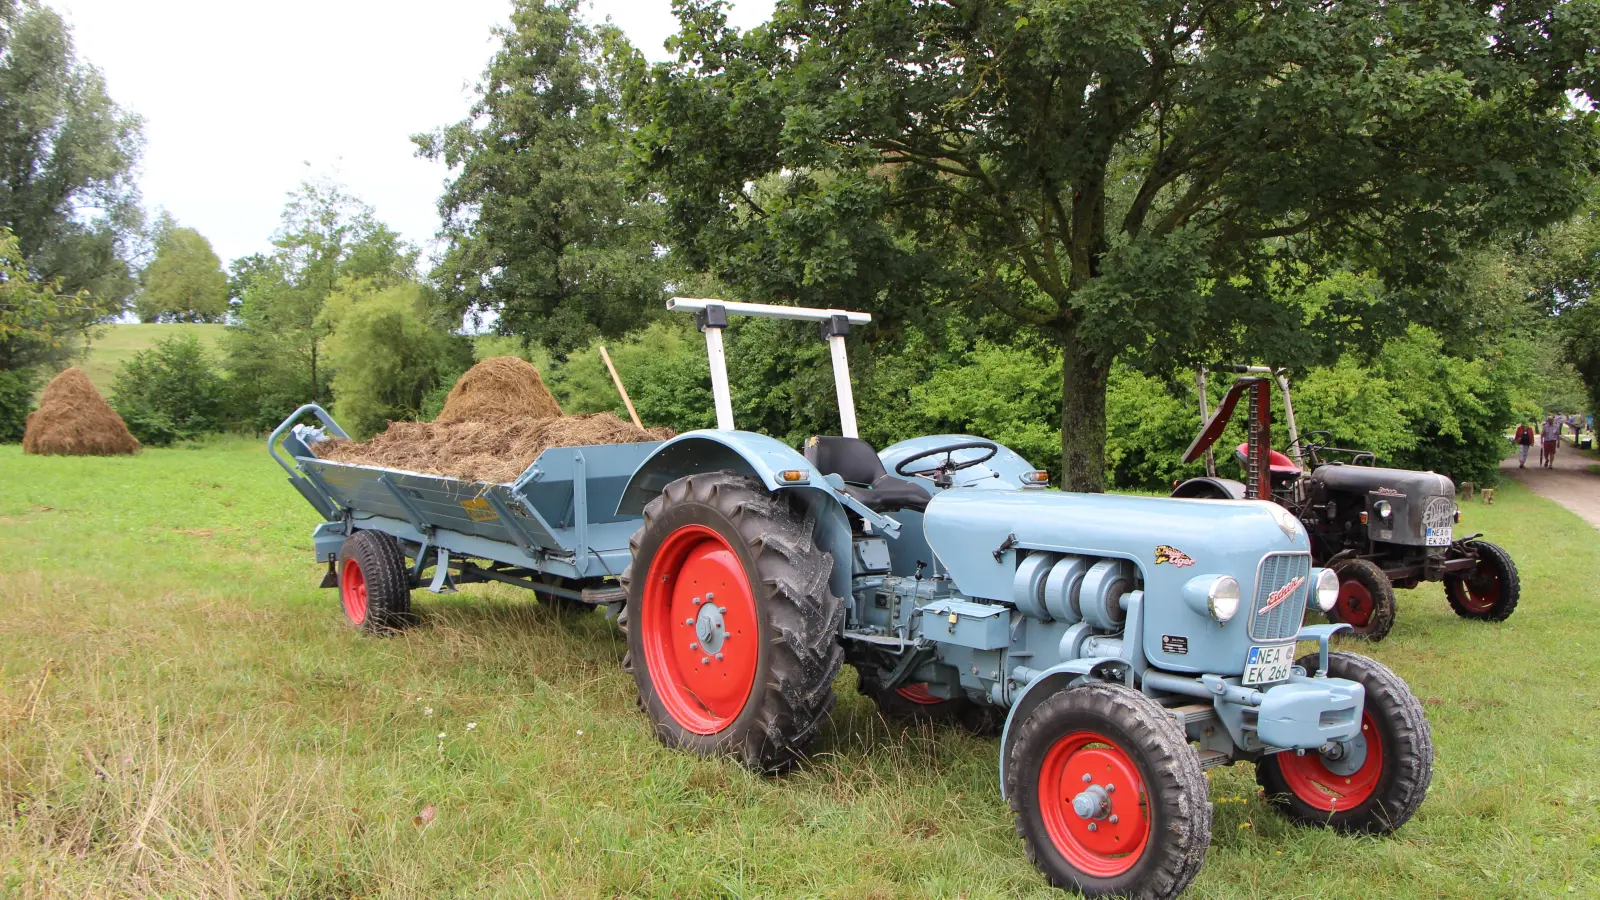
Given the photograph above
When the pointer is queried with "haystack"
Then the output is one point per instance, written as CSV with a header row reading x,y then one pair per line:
x,y
496,421
74,420
500,387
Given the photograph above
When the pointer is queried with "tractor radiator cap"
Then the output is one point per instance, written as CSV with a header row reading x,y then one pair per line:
x,y
1100,597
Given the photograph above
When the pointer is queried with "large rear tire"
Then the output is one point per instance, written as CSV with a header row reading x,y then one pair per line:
x,y
732,628
1490,591
1374,793
1108,796
1366,600
374,583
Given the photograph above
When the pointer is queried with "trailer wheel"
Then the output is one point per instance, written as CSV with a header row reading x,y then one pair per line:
x,y
374,584
1366,600
914,703
1379,789
1108,796
1490,592
732,628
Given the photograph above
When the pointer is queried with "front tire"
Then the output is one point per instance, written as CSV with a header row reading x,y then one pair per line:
x,y
732,628
1366,600
374,583
1379,793
1108,796
1490,592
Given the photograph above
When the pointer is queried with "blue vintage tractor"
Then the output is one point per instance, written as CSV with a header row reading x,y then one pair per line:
x,y
1126,643
1121,645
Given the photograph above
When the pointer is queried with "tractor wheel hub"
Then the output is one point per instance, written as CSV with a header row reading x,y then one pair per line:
x,y
710,628
1092,803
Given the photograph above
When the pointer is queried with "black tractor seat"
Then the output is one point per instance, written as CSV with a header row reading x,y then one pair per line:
x,y
865,478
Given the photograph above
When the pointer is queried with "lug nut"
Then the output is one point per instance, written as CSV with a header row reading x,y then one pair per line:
x,y
1087,778
710,596
705,660
693,645
1113,819
719,657
688,621
697,601
723,610
1093,827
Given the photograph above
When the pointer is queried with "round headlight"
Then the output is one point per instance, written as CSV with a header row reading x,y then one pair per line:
x,y
1222,601
1327,589
1383,509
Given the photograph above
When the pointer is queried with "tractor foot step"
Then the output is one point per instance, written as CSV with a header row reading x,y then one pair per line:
x,y
1210,759
602,596
1193,714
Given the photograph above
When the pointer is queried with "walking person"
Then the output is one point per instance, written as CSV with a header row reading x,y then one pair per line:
x,y
1524,441
1551,435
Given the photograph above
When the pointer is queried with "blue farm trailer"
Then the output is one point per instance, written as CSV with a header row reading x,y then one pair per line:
x,y
1123,644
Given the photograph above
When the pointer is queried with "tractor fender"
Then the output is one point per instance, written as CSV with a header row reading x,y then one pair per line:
x,y
1056,678
1210,489
759,457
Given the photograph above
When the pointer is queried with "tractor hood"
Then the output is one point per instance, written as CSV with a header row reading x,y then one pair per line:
x,y
1371,478
975,534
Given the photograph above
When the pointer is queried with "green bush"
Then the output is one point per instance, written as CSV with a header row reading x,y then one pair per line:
x,y
16,401
388,359
171,392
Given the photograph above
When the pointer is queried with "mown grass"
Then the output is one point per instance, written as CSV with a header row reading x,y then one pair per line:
x,y
116,344
182,713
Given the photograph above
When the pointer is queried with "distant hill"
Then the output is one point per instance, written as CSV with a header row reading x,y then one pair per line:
x,y
119,343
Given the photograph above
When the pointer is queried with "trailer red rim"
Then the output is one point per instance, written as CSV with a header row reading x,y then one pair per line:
x,y
919,693
699,629
353,591
1482,588
1091,769
1320,787
1355,605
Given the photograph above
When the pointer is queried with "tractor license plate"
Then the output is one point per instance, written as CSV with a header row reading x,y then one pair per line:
x,y
1438,537
1266,665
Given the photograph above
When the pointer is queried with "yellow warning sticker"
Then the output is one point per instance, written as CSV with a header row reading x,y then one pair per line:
x,y
479,510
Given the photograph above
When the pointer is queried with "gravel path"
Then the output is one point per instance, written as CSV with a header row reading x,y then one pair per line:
x,y
1570,483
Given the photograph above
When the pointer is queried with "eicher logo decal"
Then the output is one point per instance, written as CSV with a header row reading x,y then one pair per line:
x,y
1170,554
1276,598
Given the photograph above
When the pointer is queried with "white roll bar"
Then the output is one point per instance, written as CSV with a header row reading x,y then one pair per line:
x,y
837,322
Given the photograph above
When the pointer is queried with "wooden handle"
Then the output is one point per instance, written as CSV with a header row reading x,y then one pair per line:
x,y
617,380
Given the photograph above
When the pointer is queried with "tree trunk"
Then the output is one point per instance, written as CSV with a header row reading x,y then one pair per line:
x,y
1083,416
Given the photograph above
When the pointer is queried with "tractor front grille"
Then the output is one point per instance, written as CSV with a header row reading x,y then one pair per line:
x,y
1277,571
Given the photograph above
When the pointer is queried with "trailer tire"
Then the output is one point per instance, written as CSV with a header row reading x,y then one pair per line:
x,y
1366,600
913,703
1491,592
1392,780
751,674
1148,838
374,583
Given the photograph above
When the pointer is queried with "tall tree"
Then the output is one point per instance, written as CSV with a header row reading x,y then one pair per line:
x,y
544,232
1145,179
67,155
275,349
185,281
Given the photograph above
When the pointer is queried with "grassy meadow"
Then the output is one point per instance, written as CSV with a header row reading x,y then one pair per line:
x,y
183,713
116,344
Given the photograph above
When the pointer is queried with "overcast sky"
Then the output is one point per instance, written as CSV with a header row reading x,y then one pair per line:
x,y
243,101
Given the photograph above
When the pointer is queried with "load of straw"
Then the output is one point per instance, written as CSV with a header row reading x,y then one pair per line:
x,y
74,420
496,421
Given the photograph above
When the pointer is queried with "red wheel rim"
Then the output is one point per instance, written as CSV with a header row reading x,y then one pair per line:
x,y
1355,604
703,684
1322,788
353,592
1481,589
1078,762
919,693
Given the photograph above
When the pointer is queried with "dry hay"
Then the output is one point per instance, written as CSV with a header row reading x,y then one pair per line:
x,y
494,452
74,420
499,388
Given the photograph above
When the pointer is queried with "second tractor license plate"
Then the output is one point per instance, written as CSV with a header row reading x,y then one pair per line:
x,y
1265,665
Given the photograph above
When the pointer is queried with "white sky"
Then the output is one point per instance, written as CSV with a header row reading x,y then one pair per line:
x,y
243,101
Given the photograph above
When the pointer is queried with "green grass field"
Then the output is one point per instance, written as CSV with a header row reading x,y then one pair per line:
x,y
118,343
183,713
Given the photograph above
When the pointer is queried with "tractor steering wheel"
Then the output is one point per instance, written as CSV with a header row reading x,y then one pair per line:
x,y
949,465
1307,445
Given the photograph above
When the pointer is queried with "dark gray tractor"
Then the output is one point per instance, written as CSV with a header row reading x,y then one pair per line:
x,y
1377,528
